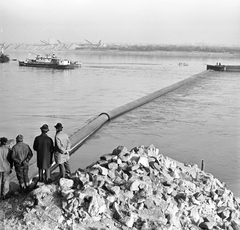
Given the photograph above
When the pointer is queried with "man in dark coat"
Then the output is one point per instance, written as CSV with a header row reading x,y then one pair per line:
x,y
43,145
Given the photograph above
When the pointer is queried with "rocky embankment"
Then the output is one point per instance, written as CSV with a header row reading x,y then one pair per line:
x,y
137,189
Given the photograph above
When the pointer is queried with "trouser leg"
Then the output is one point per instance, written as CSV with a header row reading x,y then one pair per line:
x,y
67,168
40,175
1,183
62,170
25,176
47,172
6,180
19,172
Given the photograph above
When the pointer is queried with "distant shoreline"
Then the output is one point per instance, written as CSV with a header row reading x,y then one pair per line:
x,y
129,50
164,53
144,53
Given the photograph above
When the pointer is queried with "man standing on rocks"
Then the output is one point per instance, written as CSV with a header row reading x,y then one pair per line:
x,y
43,145
5,168
21,155
62,148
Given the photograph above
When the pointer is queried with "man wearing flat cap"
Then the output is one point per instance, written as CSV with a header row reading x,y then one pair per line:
x,y
43,145
62,148
21,155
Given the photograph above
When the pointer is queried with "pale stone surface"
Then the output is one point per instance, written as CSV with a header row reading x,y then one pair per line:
x,y
65,184
140,189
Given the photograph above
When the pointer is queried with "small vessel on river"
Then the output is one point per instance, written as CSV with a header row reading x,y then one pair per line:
x,y
50,61
227,68
3,57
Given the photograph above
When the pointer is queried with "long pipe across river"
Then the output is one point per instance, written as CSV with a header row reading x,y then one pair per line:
x,y
83,133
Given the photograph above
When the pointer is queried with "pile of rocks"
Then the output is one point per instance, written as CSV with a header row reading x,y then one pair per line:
x,y
142,189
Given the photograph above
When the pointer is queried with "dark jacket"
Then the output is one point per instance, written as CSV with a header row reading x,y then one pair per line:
x,y
43,144
21,154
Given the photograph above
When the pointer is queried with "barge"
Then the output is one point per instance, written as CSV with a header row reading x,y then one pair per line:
x,y
227,68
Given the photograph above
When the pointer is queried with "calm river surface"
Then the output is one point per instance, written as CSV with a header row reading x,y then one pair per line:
x,y
200,121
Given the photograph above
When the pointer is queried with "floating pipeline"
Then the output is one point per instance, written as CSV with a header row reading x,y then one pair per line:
x,y
82,134
143,100
78,138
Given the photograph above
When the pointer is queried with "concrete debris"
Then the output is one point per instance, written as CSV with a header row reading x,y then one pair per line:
x,y
142,189
139,189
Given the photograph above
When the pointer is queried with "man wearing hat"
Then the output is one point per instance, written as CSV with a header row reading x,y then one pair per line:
x,y
43,145
5,168
62,148
21,155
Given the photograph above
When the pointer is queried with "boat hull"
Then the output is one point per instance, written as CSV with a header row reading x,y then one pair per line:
x,y
46,65
4,58
227,68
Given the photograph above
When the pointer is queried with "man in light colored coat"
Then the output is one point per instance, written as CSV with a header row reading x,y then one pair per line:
x,y
5,168
62,148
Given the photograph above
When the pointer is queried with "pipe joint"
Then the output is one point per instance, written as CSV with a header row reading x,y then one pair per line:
x,y
109,118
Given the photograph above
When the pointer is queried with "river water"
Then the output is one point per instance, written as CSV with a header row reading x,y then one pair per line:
x,y
199,121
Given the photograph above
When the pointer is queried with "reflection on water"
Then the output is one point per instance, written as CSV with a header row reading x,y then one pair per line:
x,y
199,121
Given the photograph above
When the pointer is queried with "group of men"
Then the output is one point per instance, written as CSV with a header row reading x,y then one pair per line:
x,y
20,155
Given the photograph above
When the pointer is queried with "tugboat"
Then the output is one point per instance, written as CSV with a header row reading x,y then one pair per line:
x,y
3,57
49,61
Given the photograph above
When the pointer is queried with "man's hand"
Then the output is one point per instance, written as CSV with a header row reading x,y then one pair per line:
x,y
24,163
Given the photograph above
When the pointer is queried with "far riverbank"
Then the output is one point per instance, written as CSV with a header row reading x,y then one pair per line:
x,y
165,50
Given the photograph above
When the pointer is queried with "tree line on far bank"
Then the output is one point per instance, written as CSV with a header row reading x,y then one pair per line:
x,y
129,47
186,48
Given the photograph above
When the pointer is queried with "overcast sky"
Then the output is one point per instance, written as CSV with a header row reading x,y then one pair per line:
x,y
121,21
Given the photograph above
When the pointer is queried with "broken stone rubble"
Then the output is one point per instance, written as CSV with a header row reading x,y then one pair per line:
x,y
143,189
